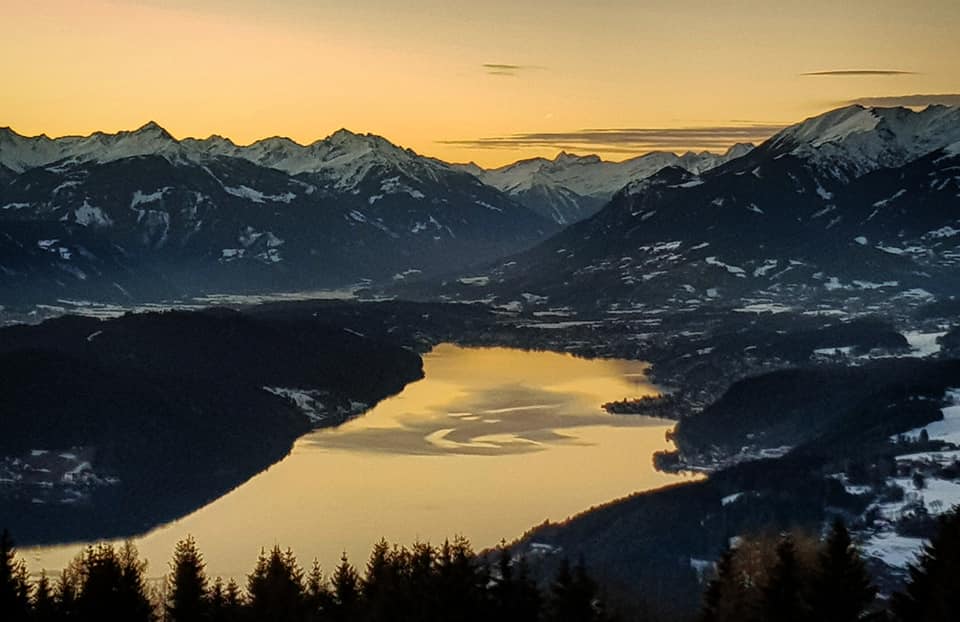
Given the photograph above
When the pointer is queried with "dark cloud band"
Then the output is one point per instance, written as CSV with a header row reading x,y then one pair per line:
x,y
860,72
628,140
505,69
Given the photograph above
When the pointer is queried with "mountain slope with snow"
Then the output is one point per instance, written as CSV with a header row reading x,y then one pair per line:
x,y
207,215
570,187
855,207
850,142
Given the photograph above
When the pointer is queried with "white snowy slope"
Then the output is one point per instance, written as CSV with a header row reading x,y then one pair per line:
x,y
20,153
590,176
344,158
852,141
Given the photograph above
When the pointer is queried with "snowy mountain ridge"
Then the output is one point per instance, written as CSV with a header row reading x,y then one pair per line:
x,y
20,153
850,142
565,189
852,205
571,187
592,176
203,215
344,158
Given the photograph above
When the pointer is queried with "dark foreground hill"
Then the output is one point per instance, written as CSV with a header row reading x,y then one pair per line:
x,y
111,427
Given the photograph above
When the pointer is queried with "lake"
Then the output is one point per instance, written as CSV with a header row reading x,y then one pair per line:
x,y
490,443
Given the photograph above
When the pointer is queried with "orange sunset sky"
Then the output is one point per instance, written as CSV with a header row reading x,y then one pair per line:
x,y
485,81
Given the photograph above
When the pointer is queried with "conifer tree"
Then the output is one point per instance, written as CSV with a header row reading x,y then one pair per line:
x,y
515,596
842,591
225,603
187,601
317,598
782,598
420,579
346,590
112,585
217,602
932,593
721,591
572,595
276,587
234,601
44,603
67,590
461,582
14,586
381,585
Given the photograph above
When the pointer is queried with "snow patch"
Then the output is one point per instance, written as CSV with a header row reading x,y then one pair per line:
x,y
139,197
890,199
90,215
948,428
734,270
478,281
307,401
767,266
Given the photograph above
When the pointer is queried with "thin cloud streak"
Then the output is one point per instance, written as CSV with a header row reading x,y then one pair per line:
x,y
628,140
506,69
860,72
943,99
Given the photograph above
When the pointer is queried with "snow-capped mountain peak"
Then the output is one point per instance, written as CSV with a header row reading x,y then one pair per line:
x,y
737,150
152,129
831,126
19,153
852,141
565,159
571,187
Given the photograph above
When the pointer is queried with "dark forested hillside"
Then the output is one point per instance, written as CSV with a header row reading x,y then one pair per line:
x,y
151,415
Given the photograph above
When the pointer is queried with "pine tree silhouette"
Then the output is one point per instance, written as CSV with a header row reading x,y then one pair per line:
x,y
317,597
67,591
110,585
346,591
573,595
276,587
841,590
44,603
461,583
188,599
932,593
14,587
382,583
225,602
233,600
217,602
722,594
782,599
515,597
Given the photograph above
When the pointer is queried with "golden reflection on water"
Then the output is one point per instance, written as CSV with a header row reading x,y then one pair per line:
x,y
490,443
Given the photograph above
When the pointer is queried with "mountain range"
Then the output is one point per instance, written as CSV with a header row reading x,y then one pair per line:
x,y
857,204
141,214
570,187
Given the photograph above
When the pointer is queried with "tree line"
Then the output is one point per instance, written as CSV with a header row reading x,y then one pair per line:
x,y
796,578
788,578
422,583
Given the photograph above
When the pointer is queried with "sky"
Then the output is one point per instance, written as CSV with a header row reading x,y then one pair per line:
x,y
491,81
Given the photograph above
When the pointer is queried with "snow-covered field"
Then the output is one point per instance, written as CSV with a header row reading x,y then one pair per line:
x,y
947,429
935,494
